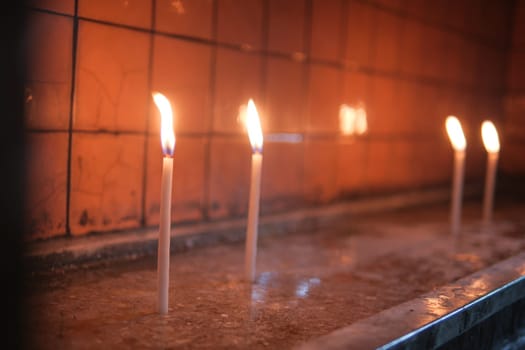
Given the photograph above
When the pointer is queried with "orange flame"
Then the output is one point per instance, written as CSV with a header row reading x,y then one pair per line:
x,y
167,135
490,137
455,133
253,125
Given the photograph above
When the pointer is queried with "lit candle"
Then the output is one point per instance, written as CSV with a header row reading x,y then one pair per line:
x,y
491,142
167,139
253,126
457,139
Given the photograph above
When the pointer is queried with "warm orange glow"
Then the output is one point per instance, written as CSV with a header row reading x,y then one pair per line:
x,y
490,137
352,120
347,117
361,124
455,133
167,135
253,126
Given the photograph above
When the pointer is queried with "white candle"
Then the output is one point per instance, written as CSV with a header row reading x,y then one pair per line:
x,y
492,146
457,191
167,137
256,139
457,139
163,253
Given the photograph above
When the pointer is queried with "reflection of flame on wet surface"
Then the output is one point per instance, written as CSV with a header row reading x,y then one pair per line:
x,y
260,288
438,305
303,288
269,281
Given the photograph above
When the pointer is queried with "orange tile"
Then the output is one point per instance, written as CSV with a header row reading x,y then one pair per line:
x,y
492,63
518,33
240,22
452,66
191,18
471,62
356,88
387,42
133,13
516,71
359,35
320,164
461,65
410,47
284,96
416,8
112,78
106,182
475,21
326,29
406,105
383,116
229,177
439,11
378,165
434,53
188,180
282,176
476,156
512,158
48,85
497,15
286,25
46,174
62,6
458,105
351,167
237,80
402,164
181,71
489,108
457,14
432,161
514,109
392,4
325,90
431,111
438,102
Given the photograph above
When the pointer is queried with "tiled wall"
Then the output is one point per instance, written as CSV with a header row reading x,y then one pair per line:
x,y
513,160
95,156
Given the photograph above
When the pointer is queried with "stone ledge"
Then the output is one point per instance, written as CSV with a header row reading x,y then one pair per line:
x,y
435,318
131,244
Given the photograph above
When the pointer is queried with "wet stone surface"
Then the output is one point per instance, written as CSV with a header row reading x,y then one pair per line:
x,y
308,284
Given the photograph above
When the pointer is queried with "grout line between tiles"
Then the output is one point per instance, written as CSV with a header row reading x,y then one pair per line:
x,y
148,118
70,123
205,204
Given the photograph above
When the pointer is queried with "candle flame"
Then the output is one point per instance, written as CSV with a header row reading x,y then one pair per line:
x,y
455,133
167,135
490,137
253,125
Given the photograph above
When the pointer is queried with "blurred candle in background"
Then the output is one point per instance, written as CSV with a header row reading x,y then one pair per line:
x,y
167,137
361,123
492,146
457,139
352,120
347,119
253,126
